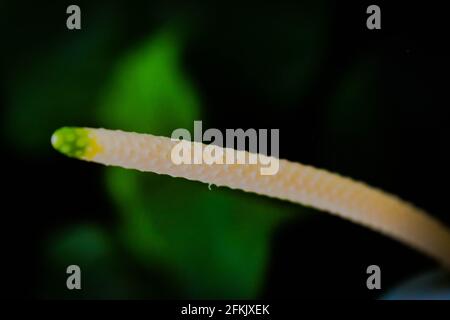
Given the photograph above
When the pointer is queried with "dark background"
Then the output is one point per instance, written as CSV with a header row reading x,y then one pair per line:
x,y
368,104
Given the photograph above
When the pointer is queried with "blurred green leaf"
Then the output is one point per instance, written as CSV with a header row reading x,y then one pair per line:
x,y
148,91
214,242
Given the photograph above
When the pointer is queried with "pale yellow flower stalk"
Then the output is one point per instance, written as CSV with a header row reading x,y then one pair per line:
x,y
293,182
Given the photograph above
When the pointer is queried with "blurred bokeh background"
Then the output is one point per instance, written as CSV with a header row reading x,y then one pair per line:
x,y
367,104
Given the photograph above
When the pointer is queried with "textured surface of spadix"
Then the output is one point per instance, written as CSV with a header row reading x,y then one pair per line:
x,y
294,182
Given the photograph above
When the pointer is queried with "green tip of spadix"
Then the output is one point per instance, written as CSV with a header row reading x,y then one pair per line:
x,y
72,141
